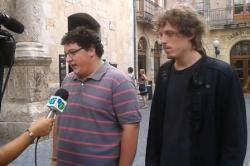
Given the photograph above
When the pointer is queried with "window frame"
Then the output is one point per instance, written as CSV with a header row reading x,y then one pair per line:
x,y
241,10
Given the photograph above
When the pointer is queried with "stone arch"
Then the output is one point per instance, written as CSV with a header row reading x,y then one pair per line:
x,y
83,19
157,55
240,61
142,49
231,43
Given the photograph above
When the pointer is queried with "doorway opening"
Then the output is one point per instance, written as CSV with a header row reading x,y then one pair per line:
x,y
142,54
240,61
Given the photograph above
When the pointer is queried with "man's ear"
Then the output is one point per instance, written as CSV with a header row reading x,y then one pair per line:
x,y
91,51
191,36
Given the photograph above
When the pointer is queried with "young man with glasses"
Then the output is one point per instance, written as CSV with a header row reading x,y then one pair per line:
x,y
198,115
100,124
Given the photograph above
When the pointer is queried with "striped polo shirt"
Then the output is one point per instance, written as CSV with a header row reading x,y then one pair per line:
x,y
90,128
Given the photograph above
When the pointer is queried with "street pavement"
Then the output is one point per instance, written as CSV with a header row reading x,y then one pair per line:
x,y
44,147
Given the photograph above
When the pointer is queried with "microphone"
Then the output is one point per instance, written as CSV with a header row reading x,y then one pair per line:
x,y
57,102
10,23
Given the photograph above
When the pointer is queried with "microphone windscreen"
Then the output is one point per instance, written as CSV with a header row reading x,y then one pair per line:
x,y
14,25
63,93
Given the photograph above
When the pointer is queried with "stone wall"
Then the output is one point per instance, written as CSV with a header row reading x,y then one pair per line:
x,y
35,75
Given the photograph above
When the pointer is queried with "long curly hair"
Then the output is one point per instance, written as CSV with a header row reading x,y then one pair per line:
x,y
187,21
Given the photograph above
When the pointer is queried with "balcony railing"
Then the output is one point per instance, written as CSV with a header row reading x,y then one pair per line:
x,y
145,10
226,17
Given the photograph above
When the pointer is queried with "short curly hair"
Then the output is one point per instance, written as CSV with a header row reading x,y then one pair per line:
x,y
187,21
84,37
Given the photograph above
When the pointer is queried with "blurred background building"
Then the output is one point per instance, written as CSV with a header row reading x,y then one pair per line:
x,y
37,69
149,53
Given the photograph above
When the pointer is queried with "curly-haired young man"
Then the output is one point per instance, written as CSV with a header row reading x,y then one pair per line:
x,y
198,115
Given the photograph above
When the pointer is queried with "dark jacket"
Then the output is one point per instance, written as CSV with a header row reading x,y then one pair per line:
x,y
218,116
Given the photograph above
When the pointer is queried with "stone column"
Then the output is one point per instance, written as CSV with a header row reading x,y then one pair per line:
x,y
27,89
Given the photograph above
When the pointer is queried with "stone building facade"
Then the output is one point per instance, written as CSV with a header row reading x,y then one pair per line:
x,y
149,53
35,75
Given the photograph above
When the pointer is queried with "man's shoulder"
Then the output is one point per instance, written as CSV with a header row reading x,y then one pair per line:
x,y
116,74
219,66
167,65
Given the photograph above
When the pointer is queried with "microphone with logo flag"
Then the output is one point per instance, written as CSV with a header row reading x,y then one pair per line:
x,y
57,102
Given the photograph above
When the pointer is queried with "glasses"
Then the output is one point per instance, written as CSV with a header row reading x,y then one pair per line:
x,y
72,53
169,34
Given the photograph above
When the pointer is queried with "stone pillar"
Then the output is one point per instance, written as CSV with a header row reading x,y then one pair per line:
x,y
27,90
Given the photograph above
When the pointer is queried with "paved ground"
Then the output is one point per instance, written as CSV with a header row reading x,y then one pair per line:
x,y
44,147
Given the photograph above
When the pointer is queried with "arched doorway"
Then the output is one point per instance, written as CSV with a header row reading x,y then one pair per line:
x,y
157,55
240,61
83,19
142,52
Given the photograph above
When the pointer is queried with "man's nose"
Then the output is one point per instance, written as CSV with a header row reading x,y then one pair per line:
x,y
163,39
68,58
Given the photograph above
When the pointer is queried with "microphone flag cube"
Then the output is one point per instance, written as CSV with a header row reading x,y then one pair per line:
x,y
56,103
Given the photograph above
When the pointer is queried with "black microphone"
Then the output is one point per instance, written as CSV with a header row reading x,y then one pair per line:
x,y
57,102
10,23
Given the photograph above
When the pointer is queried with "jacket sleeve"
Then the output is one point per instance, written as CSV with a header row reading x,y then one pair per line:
x,y
233,121
154,140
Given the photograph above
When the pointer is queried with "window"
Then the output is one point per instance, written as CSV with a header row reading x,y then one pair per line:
x,y
248,6
197,4
142,46
240,61
241,6
142,52
238,6
157,53
241,48
139,4
183,1
241,10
